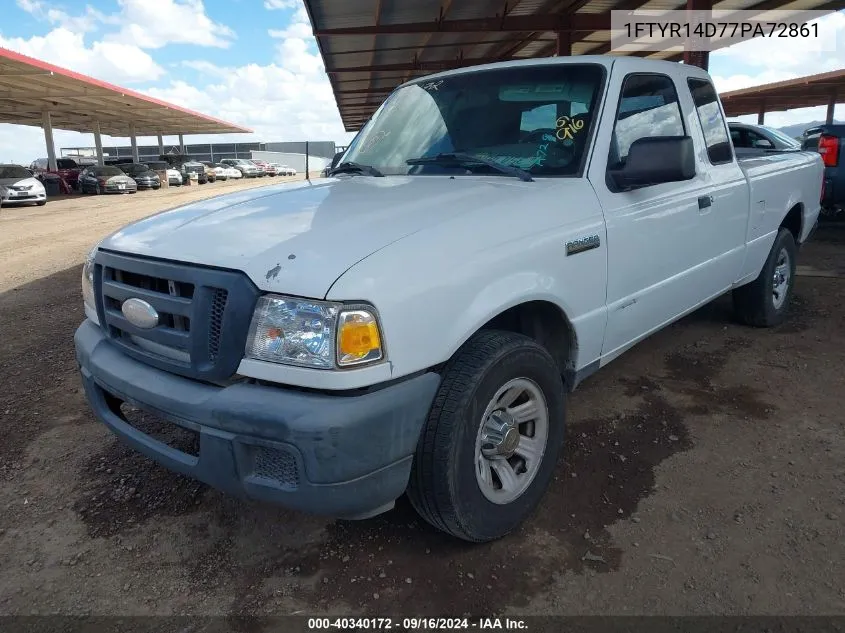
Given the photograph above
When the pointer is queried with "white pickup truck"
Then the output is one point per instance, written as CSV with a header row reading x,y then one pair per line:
x,y
414,322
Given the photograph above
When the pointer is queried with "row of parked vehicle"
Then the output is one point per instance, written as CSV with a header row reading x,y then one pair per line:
x,y
123,176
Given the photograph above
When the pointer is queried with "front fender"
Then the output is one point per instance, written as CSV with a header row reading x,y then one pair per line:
x,y
437,287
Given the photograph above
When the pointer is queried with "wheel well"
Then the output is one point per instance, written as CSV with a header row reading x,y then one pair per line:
x,y
793,221
545,323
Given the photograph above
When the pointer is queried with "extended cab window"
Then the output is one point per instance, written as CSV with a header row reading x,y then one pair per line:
x,y
712,122
539,119
648,108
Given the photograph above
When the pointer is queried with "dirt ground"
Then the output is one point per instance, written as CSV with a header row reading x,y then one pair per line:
x,y
36,241
704,473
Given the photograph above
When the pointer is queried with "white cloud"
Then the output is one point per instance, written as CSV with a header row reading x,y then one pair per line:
x,y
89,21
109,61
769,60
157,23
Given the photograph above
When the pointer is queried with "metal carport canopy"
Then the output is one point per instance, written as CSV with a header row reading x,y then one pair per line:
x,y
371,46
824,89
30,87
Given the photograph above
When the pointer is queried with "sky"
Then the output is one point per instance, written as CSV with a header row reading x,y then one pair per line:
x,y
256,63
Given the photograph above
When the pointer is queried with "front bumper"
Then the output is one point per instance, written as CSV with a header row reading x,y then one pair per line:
x,y
147,184
346,456
23,196
117,189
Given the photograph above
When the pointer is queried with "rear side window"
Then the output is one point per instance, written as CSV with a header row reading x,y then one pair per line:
x,y
712,122
648,108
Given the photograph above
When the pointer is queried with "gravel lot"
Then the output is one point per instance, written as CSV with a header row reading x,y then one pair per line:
x,y
704,473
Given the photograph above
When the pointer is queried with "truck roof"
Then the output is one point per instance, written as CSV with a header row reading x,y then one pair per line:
x,y
628,64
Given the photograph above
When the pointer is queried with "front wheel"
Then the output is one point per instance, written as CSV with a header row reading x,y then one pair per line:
x,y
765,301
488,449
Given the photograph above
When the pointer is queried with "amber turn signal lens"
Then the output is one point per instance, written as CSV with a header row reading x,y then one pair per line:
x,y
359,340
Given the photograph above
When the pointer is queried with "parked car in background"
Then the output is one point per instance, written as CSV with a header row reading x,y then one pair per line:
x,y
268,168
106,179
285,170
174,177
210,174
67,168
144,177
191,167
19,185
218,170
247,168
754,140
231,172
827,140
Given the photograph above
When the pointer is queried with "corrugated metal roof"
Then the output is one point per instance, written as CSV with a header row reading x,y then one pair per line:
x,y
29,87
371,46
804,92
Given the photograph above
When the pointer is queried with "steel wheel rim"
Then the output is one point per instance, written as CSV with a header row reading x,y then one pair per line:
x,y
780,279
511,441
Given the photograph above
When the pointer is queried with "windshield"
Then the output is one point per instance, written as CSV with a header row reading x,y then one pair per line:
x,y
13,171
783,138
536,118
66,163
134,169
107,171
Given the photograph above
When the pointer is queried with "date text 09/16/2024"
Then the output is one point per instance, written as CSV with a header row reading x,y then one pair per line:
x,y
417,624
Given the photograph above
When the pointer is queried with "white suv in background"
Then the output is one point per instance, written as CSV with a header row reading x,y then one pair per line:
x,y
247,168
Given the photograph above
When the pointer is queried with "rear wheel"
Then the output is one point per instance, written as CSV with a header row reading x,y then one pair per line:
x,y
488,449
765,301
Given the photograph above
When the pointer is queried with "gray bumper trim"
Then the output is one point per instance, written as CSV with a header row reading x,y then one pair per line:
x,y
352,454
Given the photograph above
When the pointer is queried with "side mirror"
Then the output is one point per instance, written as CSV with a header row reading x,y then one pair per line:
x,y
336,159
763,143
652,161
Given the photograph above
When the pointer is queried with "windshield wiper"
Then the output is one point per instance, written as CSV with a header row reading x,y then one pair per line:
x,y
356,167
461,158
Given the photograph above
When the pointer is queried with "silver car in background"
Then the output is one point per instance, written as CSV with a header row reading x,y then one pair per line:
x,y
247,168
756,140
17,185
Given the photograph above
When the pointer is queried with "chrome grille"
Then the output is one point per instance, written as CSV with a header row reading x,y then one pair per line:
x,y
203,313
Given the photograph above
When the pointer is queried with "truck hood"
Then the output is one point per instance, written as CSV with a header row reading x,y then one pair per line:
x,y
299,238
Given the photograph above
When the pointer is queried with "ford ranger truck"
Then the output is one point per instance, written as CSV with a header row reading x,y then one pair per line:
x,y
413,324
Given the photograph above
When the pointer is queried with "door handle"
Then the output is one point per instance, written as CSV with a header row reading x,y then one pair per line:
x,y
705,201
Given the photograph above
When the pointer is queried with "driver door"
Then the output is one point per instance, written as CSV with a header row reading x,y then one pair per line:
x,y
653,232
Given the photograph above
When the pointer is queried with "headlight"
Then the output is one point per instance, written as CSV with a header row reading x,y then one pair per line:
x,y
88,280
314,334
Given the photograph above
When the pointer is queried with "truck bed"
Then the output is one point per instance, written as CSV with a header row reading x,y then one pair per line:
x,y
777,182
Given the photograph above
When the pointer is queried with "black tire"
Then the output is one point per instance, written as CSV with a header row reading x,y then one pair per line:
x,y
443,487
41,203
754,303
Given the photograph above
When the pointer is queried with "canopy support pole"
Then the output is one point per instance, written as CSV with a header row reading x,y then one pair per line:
x,y
160,144
47,124
564,44
134,140
98,143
